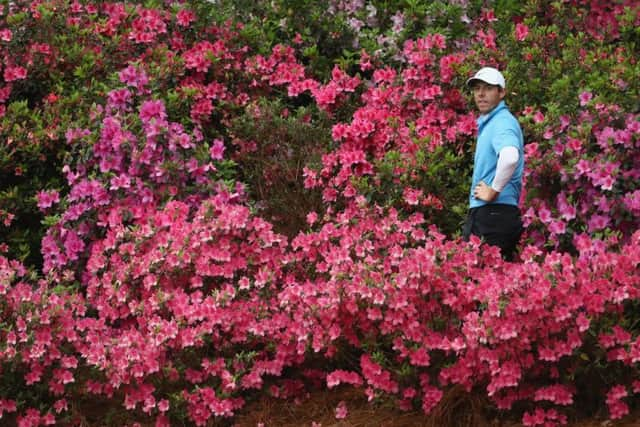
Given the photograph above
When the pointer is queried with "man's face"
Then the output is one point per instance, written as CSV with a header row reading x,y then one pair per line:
x,y
486,96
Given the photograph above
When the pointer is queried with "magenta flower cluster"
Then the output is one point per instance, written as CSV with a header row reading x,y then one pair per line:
x,y
164,292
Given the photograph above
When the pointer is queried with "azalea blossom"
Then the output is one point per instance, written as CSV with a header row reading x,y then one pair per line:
x,y
585,98
46,199
217,150
13,73
521,31
341,410
6,35
163,280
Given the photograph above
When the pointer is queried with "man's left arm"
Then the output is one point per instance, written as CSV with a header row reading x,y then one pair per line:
x,y
507,163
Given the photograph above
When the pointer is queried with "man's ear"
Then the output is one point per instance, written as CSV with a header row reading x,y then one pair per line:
x,y
502,92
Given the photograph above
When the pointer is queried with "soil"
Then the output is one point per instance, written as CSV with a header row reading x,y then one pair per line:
x,y
319,407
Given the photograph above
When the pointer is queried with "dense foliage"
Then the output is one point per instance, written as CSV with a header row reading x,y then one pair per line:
x,y
206,201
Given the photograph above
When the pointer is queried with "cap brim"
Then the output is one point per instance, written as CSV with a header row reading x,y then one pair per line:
x,y
478,79
472,80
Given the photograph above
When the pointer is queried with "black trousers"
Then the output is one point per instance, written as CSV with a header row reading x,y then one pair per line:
x,y
498,225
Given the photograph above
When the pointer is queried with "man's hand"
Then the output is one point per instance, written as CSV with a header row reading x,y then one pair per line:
x,y
484,192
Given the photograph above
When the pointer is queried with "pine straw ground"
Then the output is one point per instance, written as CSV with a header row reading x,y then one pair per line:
x,y
457,409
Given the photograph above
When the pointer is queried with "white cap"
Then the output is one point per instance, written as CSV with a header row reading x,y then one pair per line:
x,y
488,75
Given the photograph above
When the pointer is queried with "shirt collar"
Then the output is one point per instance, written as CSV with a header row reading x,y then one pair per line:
x,y
483,119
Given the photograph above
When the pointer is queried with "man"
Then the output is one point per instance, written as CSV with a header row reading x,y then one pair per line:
x,y
498,165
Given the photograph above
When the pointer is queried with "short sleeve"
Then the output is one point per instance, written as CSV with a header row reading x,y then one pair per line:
x,y
506,137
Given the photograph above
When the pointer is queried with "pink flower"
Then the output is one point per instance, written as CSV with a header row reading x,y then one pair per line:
x,y
557,227
574,144
558,394
341,410
152,110
49,419
310,178
312,217
185,17
428,93
632,201
121,181
325,96
538,117
163,405
420,357
431,398
398,22
376,376
217,150
6,35
73,245
63,376
489,15
598,222
541,417
202,109
621,336
5,92
521,31
198,57
343,377
134,77
583,167
93,387
31,418
488,38
7,406
567,211
582,321
46,199
585,97
508,375
147,26
119,98
606,181
60,405
412,196
545,215
617,408
14,73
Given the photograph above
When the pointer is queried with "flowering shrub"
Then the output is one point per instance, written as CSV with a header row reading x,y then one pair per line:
x,y
159,150
203,283
427,313
274,148
408,121
582,130
189,308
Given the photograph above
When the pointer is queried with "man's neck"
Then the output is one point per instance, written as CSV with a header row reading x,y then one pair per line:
x,y
493,110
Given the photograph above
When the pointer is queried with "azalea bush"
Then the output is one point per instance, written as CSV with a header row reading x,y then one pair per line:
x,y
582,128
276,147
423,314
204,204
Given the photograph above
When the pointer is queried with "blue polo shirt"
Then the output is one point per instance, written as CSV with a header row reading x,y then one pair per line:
x,y
496,130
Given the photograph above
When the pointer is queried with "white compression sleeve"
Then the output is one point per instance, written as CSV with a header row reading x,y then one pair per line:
x,y
507,163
